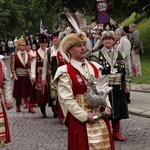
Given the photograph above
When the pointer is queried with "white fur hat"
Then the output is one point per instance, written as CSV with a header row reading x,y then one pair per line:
x,y
108,34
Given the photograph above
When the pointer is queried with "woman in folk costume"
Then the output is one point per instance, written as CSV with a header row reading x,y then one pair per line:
x,y
20,66
39,92
114,67
5,88
84,132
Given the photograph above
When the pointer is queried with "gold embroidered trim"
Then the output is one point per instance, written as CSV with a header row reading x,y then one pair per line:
x,y
98,135
2,127
21,72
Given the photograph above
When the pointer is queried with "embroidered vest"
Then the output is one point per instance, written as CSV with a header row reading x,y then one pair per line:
x,y
119,64
61,59
78,80
97,133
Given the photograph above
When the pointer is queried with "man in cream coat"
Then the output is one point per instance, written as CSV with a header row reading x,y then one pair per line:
x,y
70,80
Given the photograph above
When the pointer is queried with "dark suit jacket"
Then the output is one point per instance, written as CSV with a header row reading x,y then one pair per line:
x,y
136,42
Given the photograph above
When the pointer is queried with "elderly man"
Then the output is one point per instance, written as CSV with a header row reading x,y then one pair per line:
x,y
114,67
84,132
137,48
123,45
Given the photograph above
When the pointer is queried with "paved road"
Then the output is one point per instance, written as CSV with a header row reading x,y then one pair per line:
x,y
140,104
31,132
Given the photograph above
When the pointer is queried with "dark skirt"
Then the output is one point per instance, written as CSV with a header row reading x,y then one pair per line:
x,y
38,96
118,102
22,87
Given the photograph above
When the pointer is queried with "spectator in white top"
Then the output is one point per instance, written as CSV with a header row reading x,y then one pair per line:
x,y
10,46
15,43
124,46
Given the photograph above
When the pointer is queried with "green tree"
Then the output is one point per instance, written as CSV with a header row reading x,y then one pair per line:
x,y
17,16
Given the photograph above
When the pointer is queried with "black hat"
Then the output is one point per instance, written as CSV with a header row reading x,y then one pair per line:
x,y
28,42
42,38
126,29
55,34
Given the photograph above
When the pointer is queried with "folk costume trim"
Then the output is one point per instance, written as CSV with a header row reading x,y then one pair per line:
x,y
39,87
41,53
96,140
2,125
62,58
2,121
24,62
108,58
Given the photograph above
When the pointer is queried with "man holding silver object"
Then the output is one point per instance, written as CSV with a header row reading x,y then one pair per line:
x,y
84,131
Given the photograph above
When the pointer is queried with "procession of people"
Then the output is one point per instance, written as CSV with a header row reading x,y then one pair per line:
x,y
55,71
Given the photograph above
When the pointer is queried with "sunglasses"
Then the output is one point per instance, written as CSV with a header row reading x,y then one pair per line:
x,y
22,45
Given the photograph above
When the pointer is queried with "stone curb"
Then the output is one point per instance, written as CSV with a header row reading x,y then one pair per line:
x,y
143,91
139,112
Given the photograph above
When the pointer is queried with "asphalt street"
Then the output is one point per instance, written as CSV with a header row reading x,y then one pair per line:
x,y
140,103
31,132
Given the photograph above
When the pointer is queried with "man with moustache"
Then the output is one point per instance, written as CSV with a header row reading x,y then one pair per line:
x,y
70,80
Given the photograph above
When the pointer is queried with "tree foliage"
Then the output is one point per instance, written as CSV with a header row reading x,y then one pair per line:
x,y
17,16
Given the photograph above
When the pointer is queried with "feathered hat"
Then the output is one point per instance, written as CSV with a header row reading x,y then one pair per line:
x,y
72,26
70,20
73,39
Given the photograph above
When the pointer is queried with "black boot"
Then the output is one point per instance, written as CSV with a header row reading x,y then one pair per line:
x,y
54,109
43,111
128,98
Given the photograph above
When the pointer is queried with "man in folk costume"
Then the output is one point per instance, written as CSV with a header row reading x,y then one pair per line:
x,y
54,57
5,88
30,52
39,92
20,66
114,67
70,80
